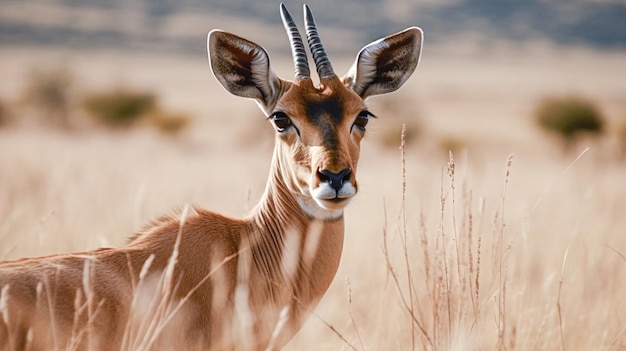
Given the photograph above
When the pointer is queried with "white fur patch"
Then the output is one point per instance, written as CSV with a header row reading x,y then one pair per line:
x,y
314,210
319,205
346,191
324,191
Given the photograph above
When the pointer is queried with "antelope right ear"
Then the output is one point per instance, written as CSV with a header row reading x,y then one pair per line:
x,y
243,68
384,65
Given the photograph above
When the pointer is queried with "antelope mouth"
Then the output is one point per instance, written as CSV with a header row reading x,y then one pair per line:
x,y
333,204
330,198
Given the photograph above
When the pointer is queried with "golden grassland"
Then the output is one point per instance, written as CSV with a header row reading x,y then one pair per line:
x,y
480,251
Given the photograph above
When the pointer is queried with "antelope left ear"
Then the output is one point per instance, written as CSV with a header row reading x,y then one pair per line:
x,y
243,68
384,65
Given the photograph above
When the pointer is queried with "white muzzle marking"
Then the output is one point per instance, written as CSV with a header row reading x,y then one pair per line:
x,y
323,202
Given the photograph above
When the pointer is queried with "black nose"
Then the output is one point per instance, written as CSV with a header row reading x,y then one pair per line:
x,y
334,179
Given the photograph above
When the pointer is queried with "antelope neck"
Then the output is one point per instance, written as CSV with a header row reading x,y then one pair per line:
x,y
282,208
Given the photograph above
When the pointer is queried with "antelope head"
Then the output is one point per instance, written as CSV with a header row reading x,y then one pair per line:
x,y
319,127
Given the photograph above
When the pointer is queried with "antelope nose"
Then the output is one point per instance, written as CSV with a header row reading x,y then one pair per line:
x,y
335,180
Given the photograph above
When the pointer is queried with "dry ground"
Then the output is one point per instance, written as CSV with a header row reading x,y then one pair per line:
x,y
532,260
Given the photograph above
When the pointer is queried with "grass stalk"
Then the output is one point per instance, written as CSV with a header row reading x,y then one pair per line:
x,y
558,301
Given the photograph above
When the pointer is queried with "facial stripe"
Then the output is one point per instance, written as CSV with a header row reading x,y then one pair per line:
x,y
328,132
327,106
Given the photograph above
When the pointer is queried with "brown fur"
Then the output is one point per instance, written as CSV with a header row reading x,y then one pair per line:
x,y
201,280
207,264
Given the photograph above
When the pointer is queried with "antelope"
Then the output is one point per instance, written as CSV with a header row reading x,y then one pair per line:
x,y
198,279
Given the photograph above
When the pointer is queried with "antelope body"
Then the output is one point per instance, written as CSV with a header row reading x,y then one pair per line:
x,y
200,280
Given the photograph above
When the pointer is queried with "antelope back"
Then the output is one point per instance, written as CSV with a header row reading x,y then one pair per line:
x,y
318,127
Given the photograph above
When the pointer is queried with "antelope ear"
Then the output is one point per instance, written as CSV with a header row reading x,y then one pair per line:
x,y
384,65
243,68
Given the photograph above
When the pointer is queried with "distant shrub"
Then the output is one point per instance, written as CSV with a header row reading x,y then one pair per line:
x,y
452,144
4,114
119,107
168,122
389,137
621,135
395,111
49,91
569,117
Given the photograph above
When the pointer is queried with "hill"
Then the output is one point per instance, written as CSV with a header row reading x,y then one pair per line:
x,y
181,25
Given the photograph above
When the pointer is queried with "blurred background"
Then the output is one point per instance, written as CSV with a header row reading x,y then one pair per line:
x,y
487,65
110,116
173,25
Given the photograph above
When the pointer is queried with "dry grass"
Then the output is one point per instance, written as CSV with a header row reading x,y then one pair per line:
x,y
528,255
471,251
509,267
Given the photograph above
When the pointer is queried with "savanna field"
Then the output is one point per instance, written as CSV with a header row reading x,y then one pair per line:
x,y
482,232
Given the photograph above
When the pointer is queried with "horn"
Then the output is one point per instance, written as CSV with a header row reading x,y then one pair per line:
x,y
297,47
322,63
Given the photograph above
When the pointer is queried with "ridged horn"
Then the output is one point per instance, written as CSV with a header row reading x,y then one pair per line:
x,y
322,63
298,52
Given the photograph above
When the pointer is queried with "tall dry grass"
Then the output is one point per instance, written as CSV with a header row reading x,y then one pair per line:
x,y
519,259
442,254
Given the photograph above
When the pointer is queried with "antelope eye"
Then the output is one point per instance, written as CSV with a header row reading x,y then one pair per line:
x,y
362,119
281,121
